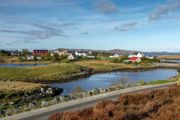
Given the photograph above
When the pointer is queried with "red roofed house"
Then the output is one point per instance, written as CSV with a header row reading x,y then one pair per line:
x,y
135,59
40,52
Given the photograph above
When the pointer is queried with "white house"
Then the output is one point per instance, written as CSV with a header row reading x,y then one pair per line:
x,y
139,55
150,57
80,54
52,54
38,58
30,57
114,56
71,57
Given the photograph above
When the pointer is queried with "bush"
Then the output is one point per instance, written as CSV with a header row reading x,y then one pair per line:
x,y
163,104
120,60
146,60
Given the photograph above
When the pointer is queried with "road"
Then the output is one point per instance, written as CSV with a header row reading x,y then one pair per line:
x,y
44,113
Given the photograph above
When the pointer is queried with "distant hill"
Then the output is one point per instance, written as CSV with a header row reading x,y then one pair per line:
x,y
113,51
123,52
161,53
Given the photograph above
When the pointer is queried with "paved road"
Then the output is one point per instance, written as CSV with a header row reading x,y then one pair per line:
x,y
44,113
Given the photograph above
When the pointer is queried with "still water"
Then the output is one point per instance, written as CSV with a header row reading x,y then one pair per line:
x,y
173,61
104,80
21,65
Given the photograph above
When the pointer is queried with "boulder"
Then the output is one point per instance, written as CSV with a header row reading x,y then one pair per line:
x,y
54,101
95,91
31,106
43,90
62,99
86,94
44,103
102,90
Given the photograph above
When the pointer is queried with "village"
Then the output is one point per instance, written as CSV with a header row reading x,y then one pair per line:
x,y
70,55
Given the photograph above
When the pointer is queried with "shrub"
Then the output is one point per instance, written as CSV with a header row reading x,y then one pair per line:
x,y
161,104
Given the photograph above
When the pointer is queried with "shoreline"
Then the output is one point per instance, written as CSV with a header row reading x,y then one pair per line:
x,y
54,100
138,69
85,72
46,111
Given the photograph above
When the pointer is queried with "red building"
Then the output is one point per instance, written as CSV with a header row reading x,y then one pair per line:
x,y
40,52
135,59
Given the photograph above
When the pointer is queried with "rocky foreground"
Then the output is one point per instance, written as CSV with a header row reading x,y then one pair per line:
x,y
161,104
17,97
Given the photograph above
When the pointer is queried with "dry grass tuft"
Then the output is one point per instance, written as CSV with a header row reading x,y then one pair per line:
x,y
7,86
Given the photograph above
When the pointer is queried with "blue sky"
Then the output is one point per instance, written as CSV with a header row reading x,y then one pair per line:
x,y
147,25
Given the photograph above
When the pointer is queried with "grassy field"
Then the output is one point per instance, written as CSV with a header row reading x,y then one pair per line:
x,y
107,65
156,82
34,74
9,86
61,72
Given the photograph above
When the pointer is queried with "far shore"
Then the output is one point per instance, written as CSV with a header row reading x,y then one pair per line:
x,y
64,72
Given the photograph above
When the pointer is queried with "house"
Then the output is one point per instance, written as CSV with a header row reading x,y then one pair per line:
x,y
135,59
71,57
30,57
150,57
40,52
62,52
52,54
140,55
90,57
90,52
38,58
114,56
15,53
80,54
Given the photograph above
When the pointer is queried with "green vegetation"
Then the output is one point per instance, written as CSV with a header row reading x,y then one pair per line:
x,y
146,60
4,53
120,60
62,71
156,82
101,54
108,65
143,60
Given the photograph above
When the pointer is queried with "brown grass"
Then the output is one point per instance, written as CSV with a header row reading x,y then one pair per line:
x,y
173,57
9,59
103,65
161,104
7,86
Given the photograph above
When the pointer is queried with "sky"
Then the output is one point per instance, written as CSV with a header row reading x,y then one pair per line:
x,y
146,25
